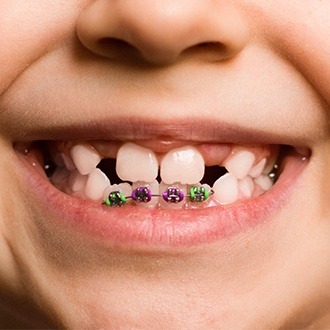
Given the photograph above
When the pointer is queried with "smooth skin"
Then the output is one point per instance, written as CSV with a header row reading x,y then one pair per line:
x,y
263,65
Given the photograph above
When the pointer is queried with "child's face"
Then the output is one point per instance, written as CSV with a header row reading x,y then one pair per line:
x,y
211,77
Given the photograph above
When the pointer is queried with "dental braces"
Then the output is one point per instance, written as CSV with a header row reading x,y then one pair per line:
x,y
143,194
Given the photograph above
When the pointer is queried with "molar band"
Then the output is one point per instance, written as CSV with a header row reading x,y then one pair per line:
x,y
197,194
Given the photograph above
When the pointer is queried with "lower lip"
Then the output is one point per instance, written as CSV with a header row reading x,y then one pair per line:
x,y
133,227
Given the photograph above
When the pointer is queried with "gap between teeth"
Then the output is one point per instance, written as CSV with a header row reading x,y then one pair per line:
x,y
184,167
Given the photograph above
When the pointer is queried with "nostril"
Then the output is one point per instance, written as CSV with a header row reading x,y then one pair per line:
x,y
117,47
209,50
209,45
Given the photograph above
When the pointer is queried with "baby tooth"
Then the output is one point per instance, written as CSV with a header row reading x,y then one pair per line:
x,y
226,189
184,165
85,158
135,163
240,163
257,169
246,187
97,183
264,182
77,181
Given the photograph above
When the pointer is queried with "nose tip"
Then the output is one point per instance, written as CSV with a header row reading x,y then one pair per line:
x,y
161,31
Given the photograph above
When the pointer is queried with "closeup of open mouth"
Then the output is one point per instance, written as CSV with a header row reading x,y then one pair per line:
x,y
146,191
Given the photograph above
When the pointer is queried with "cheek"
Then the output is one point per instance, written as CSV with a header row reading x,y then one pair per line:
x,y
31,29
299,31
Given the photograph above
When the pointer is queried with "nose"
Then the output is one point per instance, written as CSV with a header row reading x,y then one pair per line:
x,y
162,31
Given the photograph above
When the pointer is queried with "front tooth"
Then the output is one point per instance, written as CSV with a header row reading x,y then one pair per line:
x,y
226,189
97,183
135,163
184,165
85,158
240,163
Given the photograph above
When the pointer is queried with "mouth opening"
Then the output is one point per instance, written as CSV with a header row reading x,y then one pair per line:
x,y
219,184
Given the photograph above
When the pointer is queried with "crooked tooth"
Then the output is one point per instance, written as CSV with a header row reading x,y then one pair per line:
x,y
97,182
257,169
184,165
226,189
264,182
240,163
85,158
246,187
135,163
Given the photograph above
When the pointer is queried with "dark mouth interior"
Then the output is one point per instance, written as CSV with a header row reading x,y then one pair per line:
x,y
108,166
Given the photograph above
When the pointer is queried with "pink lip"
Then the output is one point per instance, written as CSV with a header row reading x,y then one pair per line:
x,y
133,227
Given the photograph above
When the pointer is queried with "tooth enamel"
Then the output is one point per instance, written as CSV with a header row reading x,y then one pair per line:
x,y
135,163
68,162
264,182
85,158
184,165
257,169
96,184
154,187
77,182
240,163
246,186
226,189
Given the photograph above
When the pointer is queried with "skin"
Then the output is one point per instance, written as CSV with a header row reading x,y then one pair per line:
x,y
272,74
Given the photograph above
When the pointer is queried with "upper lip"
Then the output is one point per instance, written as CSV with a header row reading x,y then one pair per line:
x,y
159,133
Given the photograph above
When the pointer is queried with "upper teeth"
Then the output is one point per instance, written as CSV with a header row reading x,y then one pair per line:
x,y
135,163
85,158
181,167
240,163
184,165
